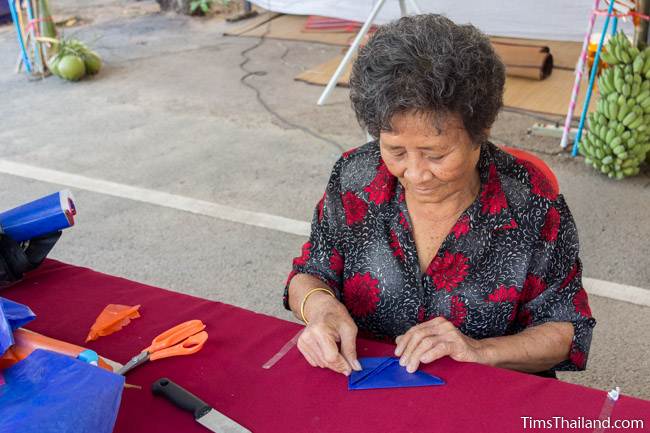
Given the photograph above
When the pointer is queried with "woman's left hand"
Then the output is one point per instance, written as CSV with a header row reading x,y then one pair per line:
x,y
428,341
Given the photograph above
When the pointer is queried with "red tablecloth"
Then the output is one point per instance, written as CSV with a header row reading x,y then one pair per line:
x,y
291,396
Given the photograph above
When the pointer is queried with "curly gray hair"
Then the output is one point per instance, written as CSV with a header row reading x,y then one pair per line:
x,y
429,65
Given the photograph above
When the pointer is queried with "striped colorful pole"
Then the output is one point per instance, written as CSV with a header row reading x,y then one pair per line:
x,y
579,68
592,78
21,43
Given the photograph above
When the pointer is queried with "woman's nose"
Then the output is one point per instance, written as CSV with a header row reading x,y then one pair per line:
x,y
415,171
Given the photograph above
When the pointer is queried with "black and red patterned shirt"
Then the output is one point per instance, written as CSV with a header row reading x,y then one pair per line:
x,y
510,261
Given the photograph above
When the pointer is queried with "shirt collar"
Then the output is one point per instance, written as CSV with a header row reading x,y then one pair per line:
x,y
491,207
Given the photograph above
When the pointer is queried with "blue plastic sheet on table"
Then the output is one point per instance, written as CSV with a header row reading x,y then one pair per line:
x,y
385,372
12,316
48,392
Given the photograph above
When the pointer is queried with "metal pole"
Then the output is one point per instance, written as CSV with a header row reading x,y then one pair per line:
x,y
402,8
348,55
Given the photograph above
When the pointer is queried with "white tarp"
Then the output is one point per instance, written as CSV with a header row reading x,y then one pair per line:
x,y
534,19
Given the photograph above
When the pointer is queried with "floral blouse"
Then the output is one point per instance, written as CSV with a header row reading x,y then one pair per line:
x,y
510,261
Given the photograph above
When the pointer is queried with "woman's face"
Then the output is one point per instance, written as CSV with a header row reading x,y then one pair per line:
x,y
431,164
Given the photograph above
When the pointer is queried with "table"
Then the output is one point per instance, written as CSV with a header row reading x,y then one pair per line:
x,y
292,396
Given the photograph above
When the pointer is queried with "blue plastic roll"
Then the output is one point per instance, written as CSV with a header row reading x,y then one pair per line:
x,y
40,217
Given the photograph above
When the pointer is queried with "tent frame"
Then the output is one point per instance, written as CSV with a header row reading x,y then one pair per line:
x,y
357,41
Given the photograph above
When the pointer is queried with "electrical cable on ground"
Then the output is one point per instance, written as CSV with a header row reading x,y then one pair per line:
x,y
258,95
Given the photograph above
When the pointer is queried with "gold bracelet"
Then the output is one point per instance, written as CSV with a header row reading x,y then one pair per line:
x,y
302,304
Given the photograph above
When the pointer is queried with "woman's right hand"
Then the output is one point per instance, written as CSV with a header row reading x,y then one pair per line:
x,y
329,324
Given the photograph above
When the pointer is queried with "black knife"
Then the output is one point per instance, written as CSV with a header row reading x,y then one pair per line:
x,y
203,413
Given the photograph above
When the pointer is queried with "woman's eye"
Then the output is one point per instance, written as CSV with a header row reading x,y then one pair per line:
x,y
434,157
398,154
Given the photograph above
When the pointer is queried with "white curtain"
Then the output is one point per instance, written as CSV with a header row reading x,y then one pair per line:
x,y
534,19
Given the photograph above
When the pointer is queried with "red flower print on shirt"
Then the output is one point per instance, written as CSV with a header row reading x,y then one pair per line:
x,y
403,221
570,276
336,262
349,152
578,358
382,187
457,311
511,225
524,317
533,287
302,260
361,294
289,278
581,303
355,208
492,197
461,227
504,294
395,246
448,271
551,225
540,185
421,313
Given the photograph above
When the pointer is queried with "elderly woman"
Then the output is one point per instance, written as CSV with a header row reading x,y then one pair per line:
x,y
432,236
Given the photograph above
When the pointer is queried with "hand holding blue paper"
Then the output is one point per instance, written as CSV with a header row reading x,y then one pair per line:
x,y
385,372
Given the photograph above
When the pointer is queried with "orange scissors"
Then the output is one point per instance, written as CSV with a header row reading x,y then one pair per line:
x,y
184,339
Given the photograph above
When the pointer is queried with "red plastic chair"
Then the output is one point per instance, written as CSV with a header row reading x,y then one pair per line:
x,y
537,162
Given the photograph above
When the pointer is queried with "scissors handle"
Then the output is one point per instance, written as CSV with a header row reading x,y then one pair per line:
x,y
175,335
191,345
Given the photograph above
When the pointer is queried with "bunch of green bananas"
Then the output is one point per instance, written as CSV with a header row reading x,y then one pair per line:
x,y
618,139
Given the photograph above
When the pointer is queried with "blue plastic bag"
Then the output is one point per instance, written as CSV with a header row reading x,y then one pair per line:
x,y
12,316
48,392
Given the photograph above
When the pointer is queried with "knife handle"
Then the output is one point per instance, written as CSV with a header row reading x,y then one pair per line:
x,y
180,397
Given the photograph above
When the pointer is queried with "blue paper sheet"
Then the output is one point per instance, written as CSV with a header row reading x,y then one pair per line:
x,y
12,316
48,392
385,372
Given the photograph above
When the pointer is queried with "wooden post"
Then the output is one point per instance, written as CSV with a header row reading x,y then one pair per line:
x,y
641,30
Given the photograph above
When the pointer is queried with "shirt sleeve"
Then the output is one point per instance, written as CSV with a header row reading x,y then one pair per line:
x,y
321,255
553,290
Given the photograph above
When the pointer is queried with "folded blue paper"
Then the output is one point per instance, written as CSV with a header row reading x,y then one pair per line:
x,y
12,316
385,372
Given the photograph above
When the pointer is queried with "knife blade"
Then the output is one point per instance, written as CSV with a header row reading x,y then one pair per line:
x,y
205,415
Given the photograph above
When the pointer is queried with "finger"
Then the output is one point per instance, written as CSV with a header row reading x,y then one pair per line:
x,y
443,348
413,342
330,353
425,345
349,347
307,345
434,326
402,341
309,354
310,359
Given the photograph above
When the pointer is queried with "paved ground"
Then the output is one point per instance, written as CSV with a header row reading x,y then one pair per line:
x,y
168,113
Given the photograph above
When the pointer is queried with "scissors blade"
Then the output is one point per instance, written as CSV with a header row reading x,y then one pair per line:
x,y
140,358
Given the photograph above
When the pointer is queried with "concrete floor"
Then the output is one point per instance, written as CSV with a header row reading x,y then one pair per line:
x,y
168,112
